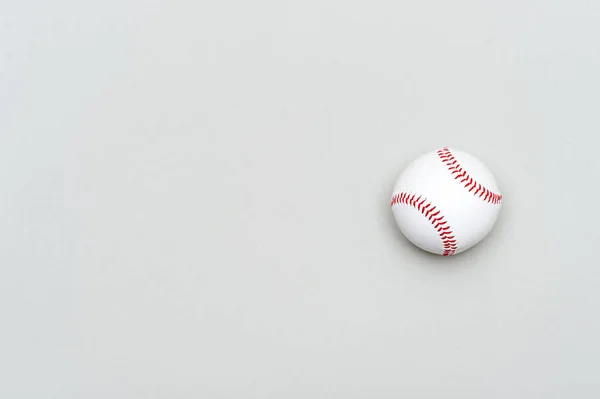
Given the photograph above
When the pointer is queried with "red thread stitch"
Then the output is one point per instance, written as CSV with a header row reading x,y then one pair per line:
x,y
473,186
433,215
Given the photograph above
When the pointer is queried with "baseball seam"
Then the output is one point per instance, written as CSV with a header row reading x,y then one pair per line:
x,y
433,215
469,183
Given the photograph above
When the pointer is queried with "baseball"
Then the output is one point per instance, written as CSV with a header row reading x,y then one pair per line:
x,y
446,201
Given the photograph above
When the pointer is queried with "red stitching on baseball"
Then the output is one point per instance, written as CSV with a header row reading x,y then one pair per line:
x,y
437,220
460,174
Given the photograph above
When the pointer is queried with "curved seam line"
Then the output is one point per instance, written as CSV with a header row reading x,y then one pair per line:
x,y
432,214
472,185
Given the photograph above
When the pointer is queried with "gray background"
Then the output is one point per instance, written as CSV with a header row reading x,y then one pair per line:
x,y
195,199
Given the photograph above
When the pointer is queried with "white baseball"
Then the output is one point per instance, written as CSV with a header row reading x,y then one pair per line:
x,y
446,201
